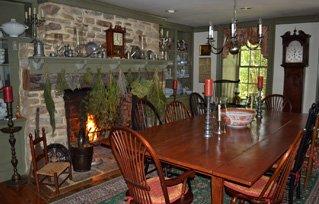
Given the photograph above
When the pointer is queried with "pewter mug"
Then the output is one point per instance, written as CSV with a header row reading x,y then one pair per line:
x,y
38,48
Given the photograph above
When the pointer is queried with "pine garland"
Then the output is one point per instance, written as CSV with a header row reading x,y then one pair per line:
x,y
49,103
103,102
156,95
61,83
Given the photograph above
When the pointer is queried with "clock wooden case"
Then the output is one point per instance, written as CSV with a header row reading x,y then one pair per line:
x,y
294,60
115,42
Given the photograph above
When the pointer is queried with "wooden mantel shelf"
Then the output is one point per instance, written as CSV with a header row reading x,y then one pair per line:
x,y
53,65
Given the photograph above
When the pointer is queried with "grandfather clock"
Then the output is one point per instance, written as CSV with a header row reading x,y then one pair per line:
x,y
294,60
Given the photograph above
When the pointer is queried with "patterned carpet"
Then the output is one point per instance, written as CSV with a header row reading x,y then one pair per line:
x,y
113,192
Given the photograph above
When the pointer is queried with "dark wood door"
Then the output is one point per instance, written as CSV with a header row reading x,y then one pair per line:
x,y
293,86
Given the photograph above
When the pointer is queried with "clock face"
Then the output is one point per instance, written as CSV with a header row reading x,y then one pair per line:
x,y
294,52
118,39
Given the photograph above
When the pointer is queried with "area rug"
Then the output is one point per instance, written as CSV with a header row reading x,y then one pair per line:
x,y
96,194
113,192
104,170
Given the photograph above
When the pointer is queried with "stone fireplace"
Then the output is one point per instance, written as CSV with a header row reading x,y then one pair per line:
x,y
62,19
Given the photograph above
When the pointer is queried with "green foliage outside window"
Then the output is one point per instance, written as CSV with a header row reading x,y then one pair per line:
x,y
251,64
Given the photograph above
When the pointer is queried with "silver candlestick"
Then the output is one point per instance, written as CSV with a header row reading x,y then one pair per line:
x,y
164,42
219,130
258,109
208,124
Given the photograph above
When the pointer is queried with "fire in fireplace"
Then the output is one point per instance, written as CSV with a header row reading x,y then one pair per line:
x,y
92,129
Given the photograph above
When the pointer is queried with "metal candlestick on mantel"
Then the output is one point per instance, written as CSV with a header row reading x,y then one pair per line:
x,y
16,179
208,123
258,109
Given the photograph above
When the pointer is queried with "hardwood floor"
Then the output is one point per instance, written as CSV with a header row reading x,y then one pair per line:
x,y
27,194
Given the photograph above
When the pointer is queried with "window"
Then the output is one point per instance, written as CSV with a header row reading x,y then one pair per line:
x,y
251,64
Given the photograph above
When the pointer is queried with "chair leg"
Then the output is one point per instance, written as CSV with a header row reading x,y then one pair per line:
x,y
56,183
36,176
308,172
291,189
70,172
298,190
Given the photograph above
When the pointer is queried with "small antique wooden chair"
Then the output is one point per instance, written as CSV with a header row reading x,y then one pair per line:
x,y
144,114
44,174
266,189
175,111
130,149
197,104
277,102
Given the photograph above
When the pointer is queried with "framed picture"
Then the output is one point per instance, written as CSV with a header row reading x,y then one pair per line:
x,y
204,69
205,50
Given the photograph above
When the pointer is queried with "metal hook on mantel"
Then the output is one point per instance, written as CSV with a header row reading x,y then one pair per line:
x,y
36,63
81,66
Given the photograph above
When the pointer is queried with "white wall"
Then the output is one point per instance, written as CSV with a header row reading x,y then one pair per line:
x,y
311,70
200,38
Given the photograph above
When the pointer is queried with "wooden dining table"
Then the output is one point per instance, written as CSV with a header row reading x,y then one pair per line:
x,y
239,155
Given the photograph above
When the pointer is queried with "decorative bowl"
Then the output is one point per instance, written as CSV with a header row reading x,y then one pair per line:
x,y
13,28
238,117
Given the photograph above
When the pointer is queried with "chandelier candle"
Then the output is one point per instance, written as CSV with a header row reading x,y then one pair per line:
x,y
208,92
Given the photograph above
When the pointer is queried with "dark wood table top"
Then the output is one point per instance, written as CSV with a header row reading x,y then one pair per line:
x,y
240,155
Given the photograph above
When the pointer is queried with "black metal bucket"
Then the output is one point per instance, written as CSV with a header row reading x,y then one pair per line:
x,y
82,158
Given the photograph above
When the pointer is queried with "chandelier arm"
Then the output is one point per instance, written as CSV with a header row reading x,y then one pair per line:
x,y
254,47
216,50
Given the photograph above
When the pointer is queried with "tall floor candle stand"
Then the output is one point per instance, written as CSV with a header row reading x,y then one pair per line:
x,y
16,179
208,124
259,110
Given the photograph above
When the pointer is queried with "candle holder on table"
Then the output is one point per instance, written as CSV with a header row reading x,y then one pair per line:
x,y
16,179
219,130
208,123
259,105
260,81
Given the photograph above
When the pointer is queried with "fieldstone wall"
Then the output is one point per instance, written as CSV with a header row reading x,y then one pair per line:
x,y
62,19
30,100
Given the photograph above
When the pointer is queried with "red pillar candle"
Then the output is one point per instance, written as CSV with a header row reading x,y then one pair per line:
x,y
175,82
208,87
260,82
7,94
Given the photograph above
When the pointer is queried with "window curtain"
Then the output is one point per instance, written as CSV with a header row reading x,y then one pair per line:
x,y
247,34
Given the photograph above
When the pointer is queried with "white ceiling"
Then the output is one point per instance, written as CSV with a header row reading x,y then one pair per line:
x,y
201,12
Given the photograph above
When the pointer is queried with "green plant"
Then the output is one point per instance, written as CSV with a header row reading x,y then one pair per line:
x,y
49,103
152,90
88,77
156,94
103,101
61,83
141,88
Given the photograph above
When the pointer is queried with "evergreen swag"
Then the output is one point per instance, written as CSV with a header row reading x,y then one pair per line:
x,y
49,103
103,102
